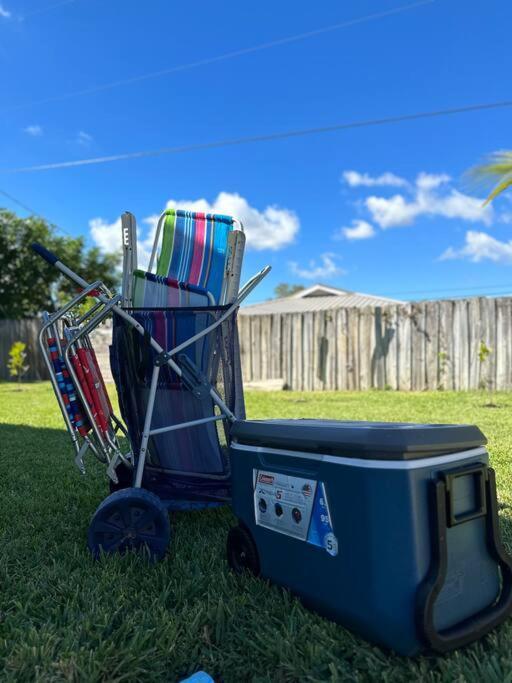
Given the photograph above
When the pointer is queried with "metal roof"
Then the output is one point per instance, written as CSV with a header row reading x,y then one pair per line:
x,y
292,304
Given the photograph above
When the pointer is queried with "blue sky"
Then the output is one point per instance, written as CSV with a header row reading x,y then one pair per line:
x,y
383,210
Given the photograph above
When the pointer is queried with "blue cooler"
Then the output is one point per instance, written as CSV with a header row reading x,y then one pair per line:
x,y
389,529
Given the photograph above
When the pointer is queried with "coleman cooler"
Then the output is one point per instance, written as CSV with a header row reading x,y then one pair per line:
x,y
389,529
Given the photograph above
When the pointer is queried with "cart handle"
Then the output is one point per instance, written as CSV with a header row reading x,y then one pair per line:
x,y
45,253
53,260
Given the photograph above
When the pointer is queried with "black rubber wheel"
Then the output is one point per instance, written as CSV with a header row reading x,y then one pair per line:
x,y
242,552
125,476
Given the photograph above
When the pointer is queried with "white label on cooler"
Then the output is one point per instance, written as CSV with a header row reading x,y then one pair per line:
x,y
294,506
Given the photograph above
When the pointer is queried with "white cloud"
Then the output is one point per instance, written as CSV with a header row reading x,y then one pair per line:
x,y
326,269
271,228
84,138
480,246
392,212
429,181
427,200
106,236
5,14
360,230
356,179
35,130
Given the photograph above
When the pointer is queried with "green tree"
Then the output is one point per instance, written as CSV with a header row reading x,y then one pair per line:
x,y
16,363
497,170
283,289
29,285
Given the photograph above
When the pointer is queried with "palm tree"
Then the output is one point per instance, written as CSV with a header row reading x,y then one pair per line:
x,y
497,170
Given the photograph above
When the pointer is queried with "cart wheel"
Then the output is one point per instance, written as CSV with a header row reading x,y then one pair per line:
x,y
242,552
131,519
125,477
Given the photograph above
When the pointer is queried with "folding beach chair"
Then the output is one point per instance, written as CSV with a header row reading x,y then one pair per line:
x,y
78,383
192,250
200,249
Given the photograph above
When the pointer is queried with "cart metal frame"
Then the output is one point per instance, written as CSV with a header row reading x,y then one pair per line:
x,y
107,447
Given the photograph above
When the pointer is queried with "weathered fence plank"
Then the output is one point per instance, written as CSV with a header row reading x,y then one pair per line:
x,y
297,353
432,344
286,349
244,335
418,340
487,375
404,348
276,356
390,315
365,348
342,365
475,339
445,353
330,350
461,345
306,381
353,349
265,346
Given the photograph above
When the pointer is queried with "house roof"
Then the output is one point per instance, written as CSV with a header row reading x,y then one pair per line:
x,y
317,298
318,290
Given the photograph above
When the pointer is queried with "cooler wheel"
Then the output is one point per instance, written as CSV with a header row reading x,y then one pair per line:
x,y
242,552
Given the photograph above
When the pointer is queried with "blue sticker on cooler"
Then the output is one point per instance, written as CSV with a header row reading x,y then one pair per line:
x,y
320,529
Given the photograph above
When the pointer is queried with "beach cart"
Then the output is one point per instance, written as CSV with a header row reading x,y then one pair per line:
x,y
176,365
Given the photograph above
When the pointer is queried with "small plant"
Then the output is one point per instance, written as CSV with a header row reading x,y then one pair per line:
x,y
486,382
17,358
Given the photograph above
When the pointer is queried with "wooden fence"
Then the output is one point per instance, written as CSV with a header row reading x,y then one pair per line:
x,y
427,345
27,330
418,346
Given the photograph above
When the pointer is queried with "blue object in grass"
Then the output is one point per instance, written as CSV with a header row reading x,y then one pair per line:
x,y
199,677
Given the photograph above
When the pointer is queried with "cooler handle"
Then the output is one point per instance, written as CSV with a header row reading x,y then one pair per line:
x,y
481,623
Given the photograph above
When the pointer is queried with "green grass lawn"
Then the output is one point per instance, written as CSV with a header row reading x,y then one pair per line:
x,y
65,617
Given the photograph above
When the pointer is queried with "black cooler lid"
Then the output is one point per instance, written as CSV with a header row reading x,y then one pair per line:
x,y
375,440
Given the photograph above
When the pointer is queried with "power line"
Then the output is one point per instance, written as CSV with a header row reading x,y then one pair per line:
x,y
219,58
33,212
16,201
270,137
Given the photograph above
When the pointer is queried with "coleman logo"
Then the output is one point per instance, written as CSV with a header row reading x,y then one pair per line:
x,y
266,479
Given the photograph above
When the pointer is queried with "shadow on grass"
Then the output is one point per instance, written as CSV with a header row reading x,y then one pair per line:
x,y
44,448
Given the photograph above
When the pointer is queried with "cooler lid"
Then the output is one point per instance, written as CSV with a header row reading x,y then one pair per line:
x,y
371,440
